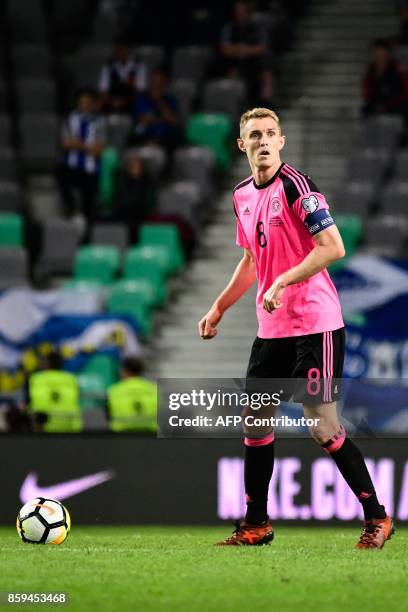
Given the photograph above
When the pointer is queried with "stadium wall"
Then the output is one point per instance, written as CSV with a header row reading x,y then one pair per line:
x,y
105,479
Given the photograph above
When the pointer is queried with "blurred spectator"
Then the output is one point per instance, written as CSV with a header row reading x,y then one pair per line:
x,y
132,402
155,114
135,198
384,82
120,77
53,398
244,53
402,6
82,141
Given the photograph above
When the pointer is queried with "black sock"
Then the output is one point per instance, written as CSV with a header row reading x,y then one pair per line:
x,y
257,475
352,466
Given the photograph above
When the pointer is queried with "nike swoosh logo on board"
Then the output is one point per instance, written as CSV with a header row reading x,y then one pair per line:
x,y
31,489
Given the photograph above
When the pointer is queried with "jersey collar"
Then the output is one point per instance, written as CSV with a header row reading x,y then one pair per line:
x,y
271,180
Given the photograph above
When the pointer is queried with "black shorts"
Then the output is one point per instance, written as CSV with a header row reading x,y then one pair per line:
x,y
305,368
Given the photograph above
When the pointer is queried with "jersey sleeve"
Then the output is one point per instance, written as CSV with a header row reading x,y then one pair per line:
x,y
313,210
241,239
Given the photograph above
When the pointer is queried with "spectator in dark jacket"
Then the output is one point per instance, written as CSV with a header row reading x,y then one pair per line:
x,y
120,77
384,82
155,114
245,54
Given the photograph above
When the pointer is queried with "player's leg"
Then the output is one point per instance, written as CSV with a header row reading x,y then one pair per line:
x,y
333,438
320,360
270,359
256,529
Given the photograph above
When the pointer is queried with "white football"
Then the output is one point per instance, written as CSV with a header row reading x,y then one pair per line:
x,y
43,521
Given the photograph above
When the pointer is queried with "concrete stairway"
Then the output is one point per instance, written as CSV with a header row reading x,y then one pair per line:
x,y
178,348
321,83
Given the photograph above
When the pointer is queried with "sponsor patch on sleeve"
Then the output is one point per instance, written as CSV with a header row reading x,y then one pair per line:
x,y
318,221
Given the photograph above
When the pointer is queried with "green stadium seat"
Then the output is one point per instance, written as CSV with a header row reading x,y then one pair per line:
x,y
142,286
212,130
92,391
11,230
351,230
148,270
166,235
128,301
82,285
96,263
103,365
159,253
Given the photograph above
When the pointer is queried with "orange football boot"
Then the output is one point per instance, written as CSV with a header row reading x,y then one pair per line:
x,y
246,534
375,533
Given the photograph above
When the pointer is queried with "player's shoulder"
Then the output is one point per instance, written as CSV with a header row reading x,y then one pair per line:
x,y
242,184
296,183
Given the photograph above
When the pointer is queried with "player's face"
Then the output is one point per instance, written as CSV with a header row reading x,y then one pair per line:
x,y
262,142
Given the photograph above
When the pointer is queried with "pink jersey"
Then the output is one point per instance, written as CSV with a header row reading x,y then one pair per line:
x,y
276,221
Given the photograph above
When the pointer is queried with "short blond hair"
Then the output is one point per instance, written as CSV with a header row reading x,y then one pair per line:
x,y
257,113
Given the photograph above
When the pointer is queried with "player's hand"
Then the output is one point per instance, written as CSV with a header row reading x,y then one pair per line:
x,y
272,297
207,327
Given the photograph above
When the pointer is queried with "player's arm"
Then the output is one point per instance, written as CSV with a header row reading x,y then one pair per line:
x,y
328,248
243,278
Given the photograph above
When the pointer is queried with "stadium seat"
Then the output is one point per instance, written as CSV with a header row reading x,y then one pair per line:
x,y
9,197
131,302
190,62
11,229
369,164
60,238
165,234
196,164
117,130
109,165
387,235
142,286
13,267
185,92
382,131
355,197
138,256
152,56
214,131
351,230
155,158
182,198
92,391
224,96
31,61
400,166
103,365
38,136
395,198
149,263
36,95
110,234
99,263
83,285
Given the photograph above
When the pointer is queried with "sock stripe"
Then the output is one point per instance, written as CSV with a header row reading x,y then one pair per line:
x,y
260,441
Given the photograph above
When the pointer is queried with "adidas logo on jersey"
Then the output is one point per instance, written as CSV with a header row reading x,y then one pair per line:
x,y
247,211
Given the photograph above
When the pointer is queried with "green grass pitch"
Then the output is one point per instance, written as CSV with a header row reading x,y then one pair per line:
x,y
173,568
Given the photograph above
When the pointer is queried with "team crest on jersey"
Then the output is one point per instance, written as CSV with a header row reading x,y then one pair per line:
x,y
310,204
275,207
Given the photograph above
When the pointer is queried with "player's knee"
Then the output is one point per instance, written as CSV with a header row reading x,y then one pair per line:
x,y
323,430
